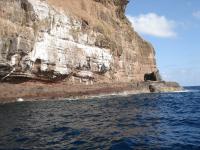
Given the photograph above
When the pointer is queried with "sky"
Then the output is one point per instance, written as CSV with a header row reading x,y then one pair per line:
x,y
173,27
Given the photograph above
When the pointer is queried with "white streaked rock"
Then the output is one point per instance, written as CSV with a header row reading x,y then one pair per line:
x,y
57,45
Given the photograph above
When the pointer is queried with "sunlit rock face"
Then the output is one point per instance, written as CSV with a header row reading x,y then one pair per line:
x,y
46,40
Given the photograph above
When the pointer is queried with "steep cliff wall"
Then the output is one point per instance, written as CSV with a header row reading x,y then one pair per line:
x,y
79,40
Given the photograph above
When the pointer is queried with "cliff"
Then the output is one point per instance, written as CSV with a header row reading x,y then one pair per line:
x,y
79,41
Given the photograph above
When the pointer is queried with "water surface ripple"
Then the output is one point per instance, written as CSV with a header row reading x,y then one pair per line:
x,y
147,121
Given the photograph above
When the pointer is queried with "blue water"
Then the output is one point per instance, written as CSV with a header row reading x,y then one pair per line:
x,y
148,121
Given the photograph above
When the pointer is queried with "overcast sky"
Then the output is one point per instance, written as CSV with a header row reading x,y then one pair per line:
x,y
173,27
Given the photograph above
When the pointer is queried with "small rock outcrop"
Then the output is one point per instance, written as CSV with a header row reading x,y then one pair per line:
x,y
158,87
64,39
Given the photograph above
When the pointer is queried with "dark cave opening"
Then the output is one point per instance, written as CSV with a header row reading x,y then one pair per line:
x,y
154,76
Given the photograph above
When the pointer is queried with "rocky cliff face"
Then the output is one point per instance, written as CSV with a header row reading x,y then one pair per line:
x,y
81,40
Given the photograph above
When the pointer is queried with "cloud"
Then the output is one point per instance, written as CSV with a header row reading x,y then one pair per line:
x,y
184,76
153,24
196,14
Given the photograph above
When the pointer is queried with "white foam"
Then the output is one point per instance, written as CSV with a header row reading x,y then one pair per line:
x,y
20,100
184,91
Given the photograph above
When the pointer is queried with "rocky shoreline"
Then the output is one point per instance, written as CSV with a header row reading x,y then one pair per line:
x,y
80,48
34,91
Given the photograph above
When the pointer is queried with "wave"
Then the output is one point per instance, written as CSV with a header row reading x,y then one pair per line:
x,y
187,91
104,95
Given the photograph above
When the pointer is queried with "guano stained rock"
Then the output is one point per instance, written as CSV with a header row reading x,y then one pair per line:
x,y
83,39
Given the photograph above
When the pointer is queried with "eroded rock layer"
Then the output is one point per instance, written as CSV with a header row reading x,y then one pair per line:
x,y
80,40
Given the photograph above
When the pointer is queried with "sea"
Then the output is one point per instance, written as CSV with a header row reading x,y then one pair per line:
x,y
163,121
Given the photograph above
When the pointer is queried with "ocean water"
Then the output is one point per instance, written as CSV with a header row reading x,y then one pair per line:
x,y
147,121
